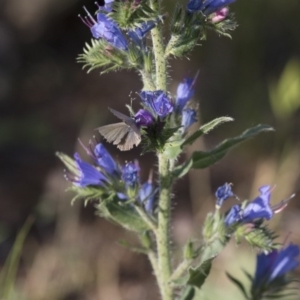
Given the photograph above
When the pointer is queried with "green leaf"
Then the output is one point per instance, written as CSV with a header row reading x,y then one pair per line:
x,y
249,276
197,276
124,215
261,237
206,128
188,293
100,54
172,147
239,285
68,162
157,136
88,193
185,31
9,270
128,15
183,169
133,248
203,160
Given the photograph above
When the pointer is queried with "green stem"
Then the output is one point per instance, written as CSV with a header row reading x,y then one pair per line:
x,y
163,239
151,223
164,269
147,81
181,269
159,52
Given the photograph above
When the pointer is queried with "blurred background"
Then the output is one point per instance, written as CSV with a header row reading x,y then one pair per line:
x,y
47,102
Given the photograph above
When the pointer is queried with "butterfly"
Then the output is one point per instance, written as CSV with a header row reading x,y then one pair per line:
x,y
125,134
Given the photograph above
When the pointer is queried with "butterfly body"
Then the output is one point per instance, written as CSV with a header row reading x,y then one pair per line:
x,y
125,134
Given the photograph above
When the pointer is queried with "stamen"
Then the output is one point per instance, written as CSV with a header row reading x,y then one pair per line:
x,y
85,148
282,204
287,238
89,22
89,15
98,5
150,176
195,78
84,21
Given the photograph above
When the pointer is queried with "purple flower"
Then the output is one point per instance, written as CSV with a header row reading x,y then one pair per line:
x,y
140,32
104,160
158,101
146,195
143,118
86,174
275,265
220,15
185,92
130,174
188,118
259,208
207,6
107,29
223,192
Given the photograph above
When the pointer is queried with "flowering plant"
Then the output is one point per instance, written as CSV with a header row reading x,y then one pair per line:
x,y
162,125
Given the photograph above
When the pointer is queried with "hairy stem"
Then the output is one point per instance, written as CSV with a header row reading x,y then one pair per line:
x,y
147,81
164,269
163,239
159,52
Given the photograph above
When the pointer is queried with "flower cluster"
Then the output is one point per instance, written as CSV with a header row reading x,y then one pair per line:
x,y
158,102
258,209
103,27
110,177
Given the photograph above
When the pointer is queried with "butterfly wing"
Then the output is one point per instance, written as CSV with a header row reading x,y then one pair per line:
x,y
114,133
129,140
125,134
129,121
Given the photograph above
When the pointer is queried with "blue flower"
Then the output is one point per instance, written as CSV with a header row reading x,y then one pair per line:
x,y
188,118
104,160
207,7
146,195
108,5
194,5
130,174
86,174
259,208
223,192
275,265
185,92
140,32
158,101
143,118
234,215
107,29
